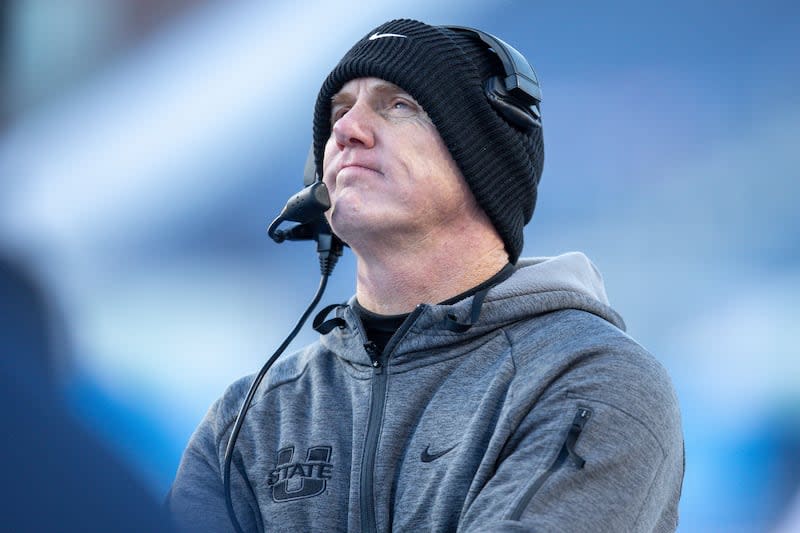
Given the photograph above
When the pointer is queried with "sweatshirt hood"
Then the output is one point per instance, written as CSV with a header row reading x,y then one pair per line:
x,y
545,284
537,286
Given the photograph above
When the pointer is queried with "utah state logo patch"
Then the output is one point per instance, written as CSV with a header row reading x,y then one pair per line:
x,y
291,480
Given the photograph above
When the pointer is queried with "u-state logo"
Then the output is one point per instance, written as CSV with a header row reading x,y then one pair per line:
x,y
295,480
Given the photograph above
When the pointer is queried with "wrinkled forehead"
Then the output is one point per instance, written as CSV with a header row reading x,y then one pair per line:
x,y
357,87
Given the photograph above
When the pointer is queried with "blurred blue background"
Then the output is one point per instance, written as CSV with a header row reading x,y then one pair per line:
x,y
146,144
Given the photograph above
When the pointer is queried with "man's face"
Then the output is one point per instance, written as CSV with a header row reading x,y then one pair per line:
x,y
387,169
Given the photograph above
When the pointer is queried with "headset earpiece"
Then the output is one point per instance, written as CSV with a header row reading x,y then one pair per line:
x,y
512,109
515,94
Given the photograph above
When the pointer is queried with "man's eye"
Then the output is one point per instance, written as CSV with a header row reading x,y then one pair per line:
x,y
402,108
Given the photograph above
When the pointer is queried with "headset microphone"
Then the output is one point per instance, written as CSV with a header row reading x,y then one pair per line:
x,y
305,207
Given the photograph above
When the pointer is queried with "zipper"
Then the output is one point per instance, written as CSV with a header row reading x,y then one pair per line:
x,y
567,451
379,362
373,432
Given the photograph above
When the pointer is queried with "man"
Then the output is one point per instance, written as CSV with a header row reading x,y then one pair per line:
x,y
461,388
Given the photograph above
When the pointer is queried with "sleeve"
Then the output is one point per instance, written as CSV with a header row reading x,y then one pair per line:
x,y
196,499
600,451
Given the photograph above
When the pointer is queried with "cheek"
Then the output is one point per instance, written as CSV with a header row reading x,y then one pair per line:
x,y
444,184
437,160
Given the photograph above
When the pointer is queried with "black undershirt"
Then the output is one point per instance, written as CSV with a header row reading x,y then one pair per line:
x,y
380,328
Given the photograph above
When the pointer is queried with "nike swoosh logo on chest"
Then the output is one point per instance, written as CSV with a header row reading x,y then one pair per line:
x,y
427,456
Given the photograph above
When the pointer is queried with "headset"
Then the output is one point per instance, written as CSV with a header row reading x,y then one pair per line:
x,y
514,94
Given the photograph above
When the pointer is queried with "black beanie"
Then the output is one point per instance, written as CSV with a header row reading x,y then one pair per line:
x,y
444,71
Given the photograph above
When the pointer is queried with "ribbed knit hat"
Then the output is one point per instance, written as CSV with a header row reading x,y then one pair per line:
x,y
444,71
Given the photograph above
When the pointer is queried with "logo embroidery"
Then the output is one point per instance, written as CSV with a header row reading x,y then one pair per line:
x,y
377,35
427,457
296,480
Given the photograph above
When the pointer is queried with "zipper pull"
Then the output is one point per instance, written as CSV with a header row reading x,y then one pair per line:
x,y
374,354
581,417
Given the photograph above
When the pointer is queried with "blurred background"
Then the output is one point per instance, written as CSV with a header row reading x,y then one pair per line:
x,y
145,145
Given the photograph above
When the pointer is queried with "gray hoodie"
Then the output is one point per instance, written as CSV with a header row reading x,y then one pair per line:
x,y
542,416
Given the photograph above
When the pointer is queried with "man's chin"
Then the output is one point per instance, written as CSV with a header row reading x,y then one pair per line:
x,y
357,224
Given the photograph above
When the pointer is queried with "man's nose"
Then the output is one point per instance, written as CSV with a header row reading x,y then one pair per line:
x,y
356,127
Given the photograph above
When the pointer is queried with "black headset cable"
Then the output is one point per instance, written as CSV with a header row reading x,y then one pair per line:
x,y
226,475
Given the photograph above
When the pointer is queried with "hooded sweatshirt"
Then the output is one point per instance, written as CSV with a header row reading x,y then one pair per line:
x,y
544,415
